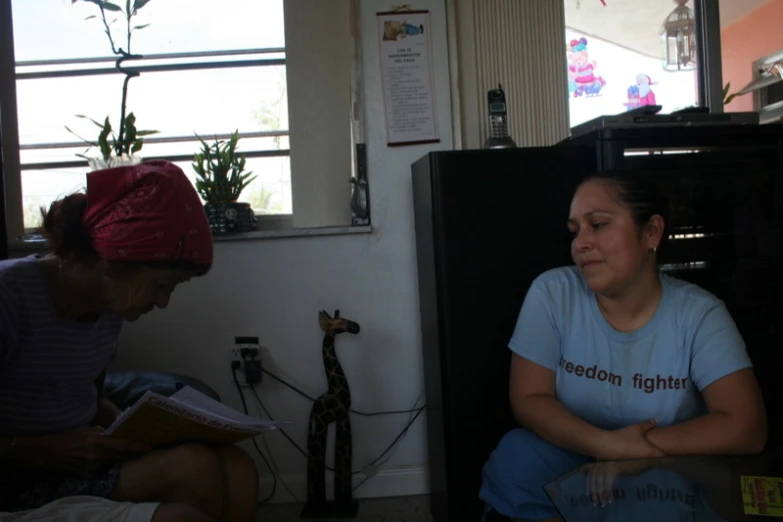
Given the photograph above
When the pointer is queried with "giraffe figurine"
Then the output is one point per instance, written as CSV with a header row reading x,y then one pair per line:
x,y
331,407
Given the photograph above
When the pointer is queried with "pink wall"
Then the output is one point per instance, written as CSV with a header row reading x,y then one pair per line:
x,y
752,37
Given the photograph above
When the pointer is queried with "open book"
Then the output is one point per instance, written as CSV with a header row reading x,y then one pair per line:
x,y
186,416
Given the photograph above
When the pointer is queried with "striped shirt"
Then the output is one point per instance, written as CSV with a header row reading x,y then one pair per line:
x,y
48,365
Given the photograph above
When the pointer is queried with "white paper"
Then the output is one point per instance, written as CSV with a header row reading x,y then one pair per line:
x,y
199,406
190,396
407,76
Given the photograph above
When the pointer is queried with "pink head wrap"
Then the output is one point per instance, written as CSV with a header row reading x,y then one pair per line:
x,y
146,212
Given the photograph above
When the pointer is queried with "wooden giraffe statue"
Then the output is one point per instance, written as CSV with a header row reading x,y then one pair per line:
x,y
331,407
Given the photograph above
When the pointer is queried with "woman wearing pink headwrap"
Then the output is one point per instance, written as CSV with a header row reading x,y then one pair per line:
x,y
118,251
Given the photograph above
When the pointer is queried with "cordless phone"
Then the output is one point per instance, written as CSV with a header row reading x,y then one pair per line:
x,y
498,120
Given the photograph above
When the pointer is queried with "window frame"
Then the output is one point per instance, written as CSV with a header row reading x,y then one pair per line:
x,y
708,54
11,157
68,68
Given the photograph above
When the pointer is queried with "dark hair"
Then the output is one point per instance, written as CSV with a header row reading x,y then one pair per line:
x,y
63,227
643,197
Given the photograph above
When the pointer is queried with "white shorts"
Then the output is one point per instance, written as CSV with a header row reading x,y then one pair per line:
x,y
85,509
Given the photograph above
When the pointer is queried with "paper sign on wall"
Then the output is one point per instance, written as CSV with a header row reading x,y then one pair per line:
x,y
407,76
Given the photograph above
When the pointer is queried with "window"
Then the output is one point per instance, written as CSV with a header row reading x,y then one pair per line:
x,y
615,59
752,44
205,70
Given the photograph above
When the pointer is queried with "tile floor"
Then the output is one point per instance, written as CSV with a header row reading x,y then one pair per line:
x,y
396,509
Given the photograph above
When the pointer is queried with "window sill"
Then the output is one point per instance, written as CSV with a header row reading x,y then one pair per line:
x,y
295,232
39,245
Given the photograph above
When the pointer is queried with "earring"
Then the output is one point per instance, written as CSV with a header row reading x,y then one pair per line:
x,y
655,248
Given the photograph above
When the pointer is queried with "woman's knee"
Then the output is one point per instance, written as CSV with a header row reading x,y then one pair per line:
x,y
516,439
238,464
196,467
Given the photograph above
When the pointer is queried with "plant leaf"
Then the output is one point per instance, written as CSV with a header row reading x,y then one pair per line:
x,y
139,4
139,27
130,130
111,7
91,17
146,132
88,142
103,139
100,125
137,146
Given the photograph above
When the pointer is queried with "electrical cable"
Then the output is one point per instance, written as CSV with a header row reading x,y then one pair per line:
x,y
312,399
288,437
263,457
411,419
402,434
271,458
404,431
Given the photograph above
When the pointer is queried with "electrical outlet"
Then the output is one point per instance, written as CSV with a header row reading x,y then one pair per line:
x,y
250,348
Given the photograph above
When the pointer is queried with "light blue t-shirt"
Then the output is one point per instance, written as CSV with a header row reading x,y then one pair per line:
x,y
612,379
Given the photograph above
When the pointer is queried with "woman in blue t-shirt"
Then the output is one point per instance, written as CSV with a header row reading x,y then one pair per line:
x,y
611,359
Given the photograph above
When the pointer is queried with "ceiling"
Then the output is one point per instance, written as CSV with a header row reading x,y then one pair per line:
x,y
636,24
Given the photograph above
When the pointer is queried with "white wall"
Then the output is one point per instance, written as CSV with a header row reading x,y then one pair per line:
x,y
274,289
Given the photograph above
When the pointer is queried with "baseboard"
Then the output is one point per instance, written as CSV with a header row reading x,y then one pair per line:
x,y
391,482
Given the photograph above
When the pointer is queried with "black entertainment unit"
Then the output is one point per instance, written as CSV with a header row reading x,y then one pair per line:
x,y
489,221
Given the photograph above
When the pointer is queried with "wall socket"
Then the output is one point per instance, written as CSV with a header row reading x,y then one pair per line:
x,y
252,351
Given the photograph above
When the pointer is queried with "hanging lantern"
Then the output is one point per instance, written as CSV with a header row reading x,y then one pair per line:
x,y
678,36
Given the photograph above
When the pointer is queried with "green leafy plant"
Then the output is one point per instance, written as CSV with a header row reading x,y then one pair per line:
x,y
221,171
128,140
129,143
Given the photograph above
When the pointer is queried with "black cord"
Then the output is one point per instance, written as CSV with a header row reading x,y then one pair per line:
x,y
288,437
255,444
311,399
271,456
404,431
402,434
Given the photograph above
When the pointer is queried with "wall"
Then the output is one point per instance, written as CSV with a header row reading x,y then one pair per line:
x,y
274,289
756,35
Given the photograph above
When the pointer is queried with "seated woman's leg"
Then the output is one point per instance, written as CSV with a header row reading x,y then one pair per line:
x,y
221,482
517,471
240,483
189,474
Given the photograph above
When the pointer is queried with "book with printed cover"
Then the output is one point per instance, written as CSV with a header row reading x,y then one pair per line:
x,y
186,416
762,495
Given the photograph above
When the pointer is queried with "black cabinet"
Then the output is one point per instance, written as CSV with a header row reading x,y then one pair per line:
x,y
489,221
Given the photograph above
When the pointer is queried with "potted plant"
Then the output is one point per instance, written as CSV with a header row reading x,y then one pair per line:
x,y
116,149
120,148
221,178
